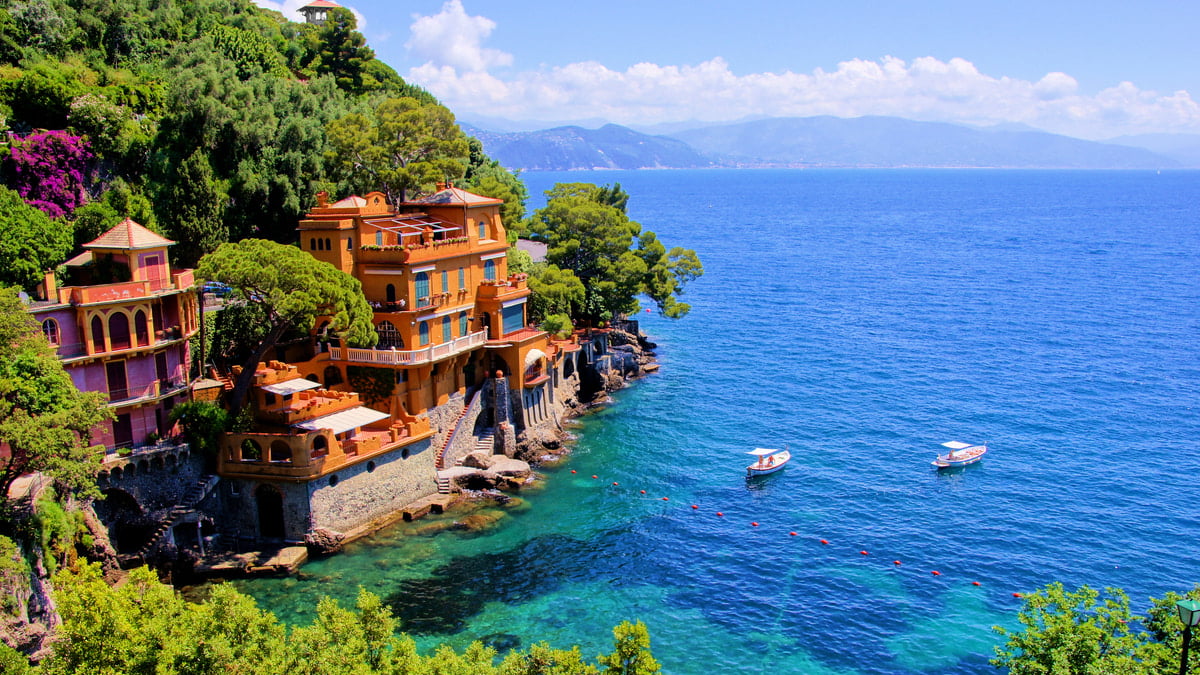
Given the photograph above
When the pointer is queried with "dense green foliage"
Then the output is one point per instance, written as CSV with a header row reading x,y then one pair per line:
x,y
145,627
45,421
216,112
398,146
1086,632
30,243
202,423
592,239
290,292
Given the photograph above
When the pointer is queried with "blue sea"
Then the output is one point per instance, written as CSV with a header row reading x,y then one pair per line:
x,y
860,318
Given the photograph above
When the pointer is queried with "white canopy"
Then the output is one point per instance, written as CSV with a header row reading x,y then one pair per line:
x,y
345,420
763,452
956,445
533,356
290,386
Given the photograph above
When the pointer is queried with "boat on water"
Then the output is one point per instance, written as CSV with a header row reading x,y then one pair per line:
x,y
769,461
960,454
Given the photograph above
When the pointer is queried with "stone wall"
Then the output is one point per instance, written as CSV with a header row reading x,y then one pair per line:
x,y
156,477
462,440
369,491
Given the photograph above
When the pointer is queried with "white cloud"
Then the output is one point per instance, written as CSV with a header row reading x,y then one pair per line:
x,y
462,72
452,38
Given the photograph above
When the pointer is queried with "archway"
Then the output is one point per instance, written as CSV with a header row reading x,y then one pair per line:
x,y
270,512
127,524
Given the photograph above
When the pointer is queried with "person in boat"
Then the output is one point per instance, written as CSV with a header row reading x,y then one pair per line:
x,y
771,460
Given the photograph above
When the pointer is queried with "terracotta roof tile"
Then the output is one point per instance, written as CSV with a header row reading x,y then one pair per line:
x,y
459,196
128,236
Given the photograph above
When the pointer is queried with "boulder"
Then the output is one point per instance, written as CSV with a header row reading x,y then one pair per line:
x,y
322,541
479,460
510,467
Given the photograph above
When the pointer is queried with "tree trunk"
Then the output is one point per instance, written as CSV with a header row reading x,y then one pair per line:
x,y
245,379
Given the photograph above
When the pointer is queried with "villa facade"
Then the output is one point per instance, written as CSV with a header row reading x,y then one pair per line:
x,y
121,325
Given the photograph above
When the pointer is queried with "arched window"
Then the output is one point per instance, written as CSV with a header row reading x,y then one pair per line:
x,y
390,292
422,284
312,243
280,451
333,376
379,237
97,335
489,270
424,333
141,325
118,330
462,324
447,332
349,243
320,446
483,230
388,335
50,330
328,246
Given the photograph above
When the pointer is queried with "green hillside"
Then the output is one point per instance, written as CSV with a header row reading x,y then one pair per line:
x,y
206,120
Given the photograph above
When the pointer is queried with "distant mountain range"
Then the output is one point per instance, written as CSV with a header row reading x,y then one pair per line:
x,y
876,142
568,148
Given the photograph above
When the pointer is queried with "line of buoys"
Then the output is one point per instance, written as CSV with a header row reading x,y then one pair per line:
x,y
823,542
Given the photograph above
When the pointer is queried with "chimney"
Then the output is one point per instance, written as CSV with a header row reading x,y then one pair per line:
x,y
49,286
441,186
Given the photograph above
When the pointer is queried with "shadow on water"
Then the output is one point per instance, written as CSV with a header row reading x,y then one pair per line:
x,y
445,602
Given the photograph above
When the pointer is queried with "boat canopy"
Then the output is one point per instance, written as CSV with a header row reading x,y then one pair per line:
x,y
957,445
763,452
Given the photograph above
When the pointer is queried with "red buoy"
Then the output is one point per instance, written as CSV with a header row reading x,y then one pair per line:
x,y
643,492
595,476
572,470
863,553
936,573
719,513
753,524
694,506
666,499
1016,595
895,562
974,583
792,533
824,542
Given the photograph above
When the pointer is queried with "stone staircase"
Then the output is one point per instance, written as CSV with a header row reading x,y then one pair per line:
x,y
484,442
194,496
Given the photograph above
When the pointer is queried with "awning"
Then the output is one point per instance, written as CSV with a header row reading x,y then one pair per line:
x,y
345,420
533,356
763,452
290,386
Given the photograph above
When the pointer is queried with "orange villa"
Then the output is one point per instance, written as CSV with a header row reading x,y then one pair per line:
x,y
346,438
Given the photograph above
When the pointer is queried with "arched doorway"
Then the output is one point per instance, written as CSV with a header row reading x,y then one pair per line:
x,y
129,527
270,512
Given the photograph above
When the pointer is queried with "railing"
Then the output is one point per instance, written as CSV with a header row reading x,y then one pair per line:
x,y
152,389
409,357
74,350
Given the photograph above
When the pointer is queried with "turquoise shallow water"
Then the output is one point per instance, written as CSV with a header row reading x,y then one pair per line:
x,y
861,317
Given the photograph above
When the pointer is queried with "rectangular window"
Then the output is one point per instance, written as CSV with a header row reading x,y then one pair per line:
x,y
447,331
514,318
462,278
424,333
489,270
118,386
445,281
462,324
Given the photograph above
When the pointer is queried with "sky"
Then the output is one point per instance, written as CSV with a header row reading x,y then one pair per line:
x,y
1096,69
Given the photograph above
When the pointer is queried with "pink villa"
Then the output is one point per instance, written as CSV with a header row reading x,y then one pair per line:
x,y
121,323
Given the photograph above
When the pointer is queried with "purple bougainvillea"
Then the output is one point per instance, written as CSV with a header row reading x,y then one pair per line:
x,y
49,170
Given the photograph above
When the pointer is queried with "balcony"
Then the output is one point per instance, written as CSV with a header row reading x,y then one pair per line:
x,y
75,351
129,290
499,289
414,357
149,391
